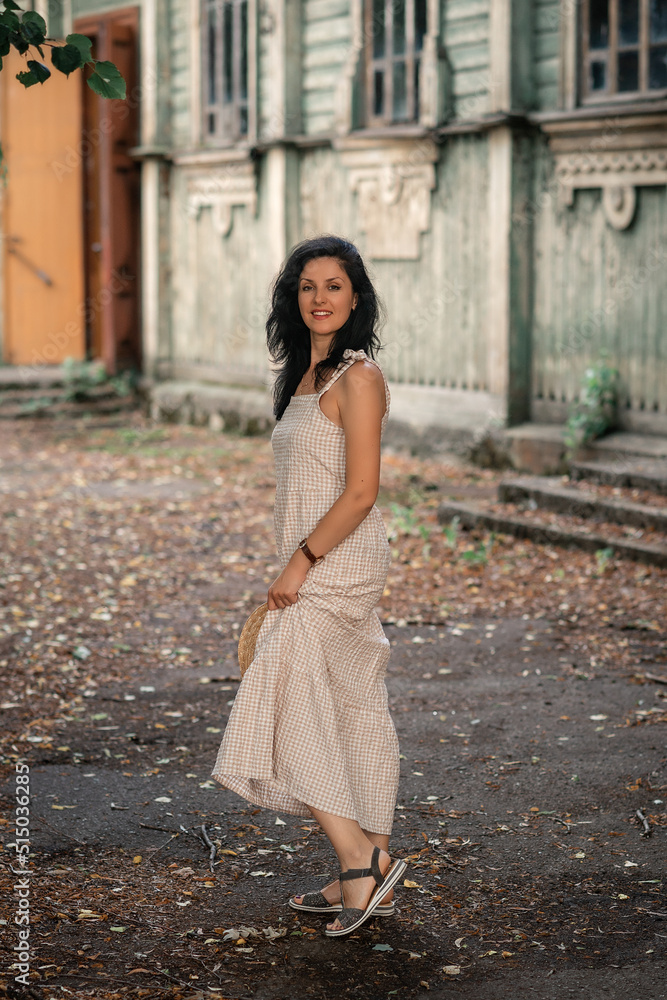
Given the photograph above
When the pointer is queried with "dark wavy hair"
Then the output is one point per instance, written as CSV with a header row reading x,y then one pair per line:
x,y
288,337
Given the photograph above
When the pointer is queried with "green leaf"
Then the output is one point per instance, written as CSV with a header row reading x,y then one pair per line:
x,y
10,20
83,44
66,58
33,28
19,42
10,5
32,17
39,70
4,41
106,81
27,79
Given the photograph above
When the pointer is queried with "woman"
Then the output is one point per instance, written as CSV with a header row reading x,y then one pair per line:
x,y
310,731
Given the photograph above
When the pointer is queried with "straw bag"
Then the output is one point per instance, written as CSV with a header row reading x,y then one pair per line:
x,y
248,636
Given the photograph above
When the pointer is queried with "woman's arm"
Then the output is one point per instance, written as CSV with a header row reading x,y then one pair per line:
x,y
361,403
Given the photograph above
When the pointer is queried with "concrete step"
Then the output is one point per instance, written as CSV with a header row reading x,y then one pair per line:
x,y
540,448
36,393
562,532
551,494
641,473
34,376
54,407
624,443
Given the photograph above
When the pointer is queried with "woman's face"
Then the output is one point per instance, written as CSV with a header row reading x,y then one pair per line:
x,y
326,296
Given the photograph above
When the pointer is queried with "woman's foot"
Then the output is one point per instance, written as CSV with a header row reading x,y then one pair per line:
x,y
358,890
331,893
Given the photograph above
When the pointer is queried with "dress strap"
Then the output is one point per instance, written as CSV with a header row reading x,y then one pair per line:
x,y
349,357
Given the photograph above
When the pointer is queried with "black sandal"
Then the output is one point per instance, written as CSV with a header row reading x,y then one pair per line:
x,y
351,917
315,902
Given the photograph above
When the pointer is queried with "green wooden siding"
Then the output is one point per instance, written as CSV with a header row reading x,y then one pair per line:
x,y
180,79
600,291
82,8
436,306
546,41
326,40
266,126
465,34
219,285
54,19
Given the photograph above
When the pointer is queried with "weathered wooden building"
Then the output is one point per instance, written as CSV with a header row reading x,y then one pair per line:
x,y
502,164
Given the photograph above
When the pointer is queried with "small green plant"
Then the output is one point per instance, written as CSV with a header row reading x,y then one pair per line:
x,y
404,521
480,555
125,383
36,404
595,412
80,377
451,532
603,557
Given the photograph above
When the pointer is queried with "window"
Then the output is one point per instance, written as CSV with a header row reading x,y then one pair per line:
x,y
624,47
394,33
225,69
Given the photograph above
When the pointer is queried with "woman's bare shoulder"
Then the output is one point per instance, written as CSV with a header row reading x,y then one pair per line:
x,y
362,374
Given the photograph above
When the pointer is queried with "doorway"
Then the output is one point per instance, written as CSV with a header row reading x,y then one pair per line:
x,y
111,198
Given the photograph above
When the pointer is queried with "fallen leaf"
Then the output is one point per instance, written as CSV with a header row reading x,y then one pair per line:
x,y
451,970
271,933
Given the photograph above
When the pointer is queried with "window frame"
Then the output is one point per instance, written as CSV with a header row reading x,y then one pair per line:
x,y
229,114
410,56
587,55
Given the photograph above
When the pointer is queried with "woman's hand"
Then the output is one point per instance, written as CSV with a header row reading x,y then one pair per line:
x,y
285,589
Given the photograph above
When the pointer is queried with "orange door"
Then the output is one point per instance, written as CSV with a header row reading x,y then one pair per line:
x,y
43,288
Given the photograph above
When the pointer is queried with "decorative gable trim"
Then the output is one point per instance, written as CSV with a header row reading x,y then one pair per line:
x,y
393,184
617,157
221,189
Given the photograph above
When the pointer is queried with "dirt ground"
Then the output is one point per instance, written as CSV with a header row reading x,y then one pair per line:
x,y
528,690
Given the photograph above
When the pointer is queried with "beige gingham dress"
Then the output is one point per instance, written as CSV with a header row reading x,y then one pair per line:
x,y
310,725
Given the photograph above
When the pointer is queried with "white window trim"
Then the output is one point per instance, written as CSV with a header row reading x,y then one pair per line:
x,y
435,85
570,90
197,135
